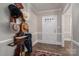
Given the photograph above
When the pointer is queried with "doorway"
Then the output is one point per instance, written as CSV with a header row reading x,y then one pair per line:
x,y
49,29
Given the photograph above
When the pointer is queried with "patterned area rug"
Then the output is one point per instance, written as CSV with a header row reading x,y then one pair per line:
x,y
44,53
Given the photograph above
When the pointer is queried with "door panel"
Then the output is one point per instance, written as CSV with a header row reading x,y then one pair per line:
x,y
49,29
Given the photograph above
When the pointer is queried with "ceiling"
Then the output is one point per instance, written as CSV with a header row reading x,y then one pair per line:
x,y
47,6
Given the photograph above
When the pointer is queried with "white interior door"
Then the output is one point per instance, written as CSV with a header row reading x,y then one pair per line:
x,y
49,29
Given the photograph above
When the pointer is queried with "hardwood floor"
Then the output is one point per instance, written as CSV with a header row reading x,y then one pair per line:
x,y
65,51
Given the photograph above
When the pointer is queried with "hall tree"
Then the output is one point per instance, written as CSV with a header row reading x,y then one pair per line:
x,y
7,34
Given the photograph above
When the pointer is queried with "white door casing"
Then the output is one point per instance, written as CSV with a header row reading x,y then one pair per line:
x,y
49,29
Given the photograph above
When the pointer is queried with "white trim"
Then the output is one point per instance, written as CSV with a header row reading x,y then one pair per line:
x,y
66,8
34,33
67,39
46,33
35,42
36,11
40,41
75,42
4,41
62,44
56,43
33,9
52,10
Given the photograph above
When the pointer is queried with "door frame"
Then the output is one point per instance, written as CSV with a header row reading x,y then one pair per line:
x,y
55,33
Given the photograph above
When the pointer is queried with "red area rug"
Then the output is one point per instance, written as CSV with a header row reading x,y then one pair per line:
x,y
44,53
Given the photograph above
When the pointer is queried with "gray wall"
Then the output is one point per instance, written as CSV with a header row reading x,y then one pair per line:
x,y
75,21
75,26
59,26
33,25
6,35
32,21
4,24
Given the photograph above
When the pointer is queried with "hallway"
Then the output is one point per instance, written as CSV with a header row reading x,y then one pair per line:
x,y
54,26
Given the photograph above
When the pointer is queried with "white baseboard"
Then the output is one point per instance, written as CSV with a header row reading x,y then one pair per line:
x,y
34,42
4,41
67,39
75,42
56,43
40,41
